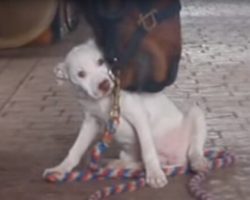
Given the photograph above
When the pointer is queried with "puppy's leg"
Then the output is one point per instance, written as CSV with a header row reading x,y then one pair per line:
x,y
86,135
129,159
197,139
155,176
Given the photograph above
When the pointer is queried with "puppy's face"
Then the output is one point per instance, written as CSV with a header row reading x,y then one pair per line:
x,y
84,66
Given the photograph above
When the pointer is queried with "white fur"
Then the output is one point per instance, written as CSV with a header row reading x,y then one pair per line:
x,y
152,131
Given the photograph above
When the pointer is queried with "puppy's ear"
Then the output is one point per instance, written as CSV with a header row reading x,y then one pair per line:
x,y
60,72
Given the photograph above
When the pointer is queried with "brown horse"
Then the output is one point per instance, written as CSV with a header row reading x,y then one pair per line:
x,y
140,38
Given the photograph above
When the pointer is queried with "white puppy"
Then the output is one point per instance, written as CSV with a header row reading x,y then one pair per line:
x,y
152,131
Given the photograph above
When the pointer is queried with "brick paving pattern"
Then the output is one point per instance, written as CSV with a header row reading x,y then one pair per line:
x,y
39,120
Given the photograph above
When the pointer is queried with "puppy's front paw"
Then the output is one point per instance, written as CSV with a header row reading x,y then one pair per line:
x,y
54,174
200,164
156,178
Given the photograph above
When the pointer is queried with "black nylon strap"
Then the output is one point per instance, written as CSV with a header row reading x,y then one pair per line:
x,y
145,6
109,22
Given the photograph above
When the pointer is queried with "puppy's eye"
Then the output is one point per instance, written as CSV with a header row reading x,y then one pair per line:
x,y
100,62
81,74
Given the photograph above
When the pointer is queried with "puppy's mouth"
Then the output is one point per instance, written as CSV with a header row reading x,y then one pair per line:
x,y
82,91
107,93
100,94
105,87
97,93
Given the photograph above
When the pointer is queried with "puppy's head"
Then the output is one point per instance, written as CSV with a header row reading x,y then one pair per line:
x,y
85,67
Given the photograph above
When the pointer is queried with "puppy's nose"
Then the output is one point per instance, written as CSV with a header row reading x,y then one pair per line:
x,y
104,85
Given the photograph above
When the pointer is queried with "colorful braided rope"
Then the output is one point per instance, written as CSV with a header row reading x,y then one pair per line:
x,y
217,159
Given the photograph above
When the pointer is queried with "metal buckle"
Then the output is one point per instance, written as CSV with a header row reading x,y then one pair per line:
x,y
144,20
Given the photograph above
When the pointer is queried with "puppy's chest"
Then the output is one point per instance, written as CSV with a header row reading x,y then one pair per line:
x,y
100,109
125,133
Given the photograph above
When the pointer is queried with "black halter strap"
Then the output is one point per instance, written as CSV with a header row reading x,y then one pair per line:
x,y
108,19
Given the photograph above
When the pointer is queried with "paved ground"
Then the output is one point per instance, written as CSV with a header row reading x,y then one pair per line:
x,y
39,120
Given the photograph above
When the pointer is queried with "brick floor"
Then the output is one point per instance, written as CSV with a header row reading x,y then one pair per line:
x,y
39,120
